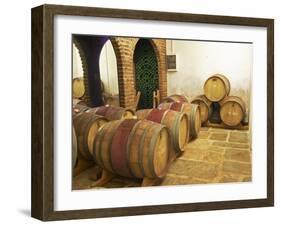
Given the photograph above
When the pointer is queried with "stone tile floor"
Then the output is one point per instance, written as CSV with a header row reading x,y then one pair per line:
x,y
216,156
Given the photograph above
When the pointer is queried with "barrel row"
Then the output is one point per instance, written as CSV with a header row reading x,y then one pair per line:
x,y
134,147
109,112
128,147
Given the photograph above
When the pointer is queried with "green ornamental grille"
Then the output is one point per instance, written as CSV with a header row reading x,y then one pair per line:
x,y
146,72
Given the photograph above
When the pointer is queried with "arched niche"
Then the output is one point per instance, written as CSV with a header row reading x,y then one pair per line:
x,y
146,72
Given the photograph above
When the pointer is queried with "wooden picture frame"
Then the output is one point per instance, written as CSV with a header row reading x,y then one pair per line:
x,y
42,203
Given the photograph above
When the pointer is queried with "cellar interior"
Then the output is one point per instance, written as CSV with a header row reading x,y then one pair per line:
x,y
151,112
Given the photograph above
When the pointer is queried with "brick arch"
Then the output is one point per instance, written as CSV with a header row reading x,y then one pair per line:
x,y
120,70
126,83
155,52
159,46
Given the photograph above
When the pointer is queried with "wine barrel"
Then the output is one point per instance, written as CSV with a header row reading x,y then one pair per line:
x,y
204,107
78,109
193,112
177,123
216,87
175,98
232,110
78,106
133,148
74,148
78,101
113,112
86,126
78,87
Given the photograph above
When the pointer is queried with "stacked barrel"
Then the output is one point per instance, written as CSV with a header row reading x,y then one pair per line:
x,y
216,105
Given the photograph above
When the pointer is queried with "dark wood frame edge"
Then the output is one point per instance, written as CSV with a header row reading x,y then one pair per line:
x,y
42,201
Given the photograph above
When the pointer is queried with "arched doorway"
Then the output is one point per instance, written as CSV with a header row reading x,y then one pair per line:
x,y
146,72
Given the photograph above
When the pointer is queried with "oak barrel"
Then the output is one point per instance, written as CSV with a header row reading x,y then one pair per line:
x,y
177,123
193,112
78,106
86,126
204,106
78,109
175,98
113,112
232,110
216,87
78,87
133,148
76,101
74,148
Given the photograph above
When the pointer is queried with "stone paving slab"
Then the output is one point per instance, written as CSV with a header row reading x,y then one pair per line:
x,y
230,177
247,178
230,145
172,179
203,134
213,157
218,136
202,155
239,137
237,167
242,155
192,168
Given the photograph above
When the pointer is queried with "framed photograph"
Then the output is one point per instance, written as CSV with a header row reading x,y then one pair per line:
x,y
141,112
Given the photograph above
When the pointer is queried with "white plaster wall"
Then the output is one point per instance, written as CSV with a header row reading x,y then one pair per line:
x,y
197,60
108,69
77,69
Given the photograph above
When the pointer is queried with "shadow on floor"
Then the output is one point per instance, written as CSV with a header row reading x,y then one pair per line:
x,y
25,212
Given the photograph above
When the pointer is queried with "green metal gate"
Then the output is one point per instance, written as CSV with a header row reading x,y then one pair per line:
x,y
146,72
